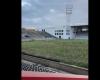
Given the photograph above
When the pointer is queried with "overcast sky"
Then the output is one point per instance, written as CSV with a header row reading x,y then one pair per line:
x,y
48,13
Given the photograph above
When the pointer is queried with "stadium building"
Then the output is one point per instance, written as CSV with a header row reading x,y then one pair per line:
x,y
74,32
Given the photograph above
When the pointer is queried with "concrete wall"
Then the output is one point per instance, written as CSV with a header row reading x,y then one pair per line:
x,y
52,32
71,35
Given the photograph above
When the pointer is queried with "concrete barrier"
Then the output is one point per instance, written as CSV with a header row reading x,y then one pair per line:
x,y
55,64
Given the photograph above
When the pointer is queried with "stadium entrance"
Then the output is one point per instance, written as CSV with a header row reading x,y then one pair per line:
x,y
59,37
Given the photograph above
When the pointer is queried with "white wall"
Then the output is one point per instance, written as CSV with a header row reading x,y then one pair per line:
x,y
64,36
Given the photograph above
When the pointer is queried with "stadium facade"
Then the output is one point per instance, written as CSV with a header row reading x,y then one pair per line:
x,y
72,32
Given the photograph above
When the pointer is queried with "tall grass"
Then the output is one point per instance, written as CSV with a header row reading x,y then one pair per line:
x,y
74,52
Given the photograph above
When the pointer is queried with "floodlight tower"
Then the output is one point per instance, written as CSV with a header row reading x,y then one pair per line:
x,y
69,8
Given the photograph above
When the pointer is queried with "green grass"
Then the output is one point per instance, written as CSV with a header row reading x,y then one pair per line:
x,y
74,52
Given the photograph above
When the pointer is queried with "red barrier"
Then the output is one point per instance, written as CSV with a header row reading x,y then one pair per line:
x,y
28,75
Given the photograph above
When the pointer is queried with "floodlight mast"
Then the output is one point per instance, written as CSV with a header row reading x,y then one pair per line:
x,y
69,8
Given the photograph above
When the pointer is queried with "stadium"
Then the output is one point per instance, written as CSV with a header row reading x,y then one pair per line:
x,y
55,52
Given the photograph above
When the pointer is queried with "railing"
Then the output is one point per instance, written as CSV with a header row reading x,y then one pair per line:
x,y
29,75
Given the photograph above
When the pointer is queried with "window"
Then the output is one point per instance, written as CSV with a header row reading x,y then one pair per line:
x,y
43,30
67,33
59,30
67,30
59,33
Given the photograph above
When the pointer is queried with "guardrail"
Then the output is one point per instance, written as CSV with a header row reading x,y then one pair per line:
x,y
29,75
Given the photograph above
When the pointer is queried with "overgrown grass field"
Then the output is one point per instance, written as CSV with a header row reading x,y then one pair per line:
x,y
74,52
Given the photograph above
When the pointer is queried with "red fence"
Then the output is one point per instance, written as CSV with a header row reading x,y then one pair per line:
x,y
28,75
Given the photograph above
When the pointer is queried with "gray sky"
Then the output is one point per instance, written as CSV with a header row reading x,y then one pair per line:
x,y
46,13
